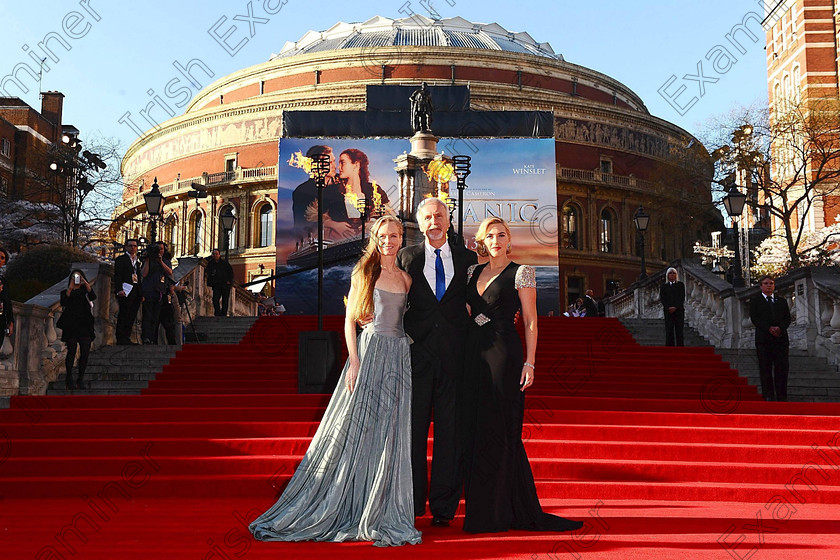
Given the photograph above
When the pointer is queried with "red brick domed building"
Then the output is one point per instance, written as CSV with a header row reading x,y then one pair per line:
x,y
611,154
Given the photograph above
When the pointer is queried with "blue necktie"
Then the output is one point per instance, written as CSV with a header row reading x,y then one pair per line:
x,y
440,277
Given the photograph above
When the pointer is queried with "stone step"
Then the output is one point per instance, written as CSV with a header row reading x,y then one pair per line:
x,y
119,370
811,378
115,376
218,330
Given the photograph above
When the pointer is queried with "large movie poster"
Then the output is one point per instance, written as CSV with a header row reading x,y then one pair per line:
x,y
512,178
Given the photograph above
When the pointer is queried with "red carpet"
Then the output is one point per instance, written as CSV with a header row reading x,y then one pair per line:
x,y
665,453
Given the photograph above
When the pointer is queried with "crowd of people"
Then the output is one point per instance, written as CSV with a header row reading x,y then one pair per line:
x,y
147,283
586,306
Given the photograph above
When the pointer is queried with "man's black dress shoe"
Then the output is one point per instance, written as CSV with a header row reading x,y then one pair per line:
x,y
440,522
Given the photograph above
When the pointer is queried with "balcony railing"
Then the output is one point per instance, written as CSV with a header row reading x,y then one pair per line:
x,y
599,177
239,176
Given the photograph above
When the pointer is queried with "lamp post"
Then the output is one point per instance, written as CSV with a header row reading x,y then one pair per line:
x,y
462,170
734,204
154,204
361,206
228,220
642,219
321,167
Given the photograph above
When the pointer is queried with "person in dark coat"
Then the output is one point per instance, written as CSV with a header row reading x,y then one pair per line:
x,y
7,318
672,297
76,324
220,278
590,304
771,316
169,302
127,287
156,276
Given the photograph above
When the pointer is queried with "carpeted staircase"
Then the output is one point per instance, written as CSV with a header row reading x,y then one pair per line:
x,y
664,452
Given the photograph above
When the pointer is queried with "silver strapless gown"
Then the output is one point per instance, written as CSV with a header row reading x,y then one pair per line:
x,y
354,483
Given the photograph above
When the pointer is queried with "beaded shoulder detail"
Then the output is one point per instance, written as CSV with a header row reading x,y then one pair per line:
x,y
526,277
470,271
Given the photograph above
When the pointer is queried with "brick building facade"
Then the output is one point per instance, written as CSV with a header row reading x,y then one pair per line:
x,y
611,154
803,65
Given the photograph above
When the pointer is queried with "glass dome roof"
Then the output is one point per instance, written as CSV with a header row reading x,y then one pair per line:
x,y
419,31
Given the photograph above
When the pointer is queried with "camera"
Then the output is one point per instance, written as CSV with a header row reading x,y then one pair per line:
x,y
153,252
77,278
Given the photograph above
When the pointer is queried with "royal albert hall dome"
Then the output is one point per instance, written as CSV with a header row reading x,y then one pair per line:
x,y
611,154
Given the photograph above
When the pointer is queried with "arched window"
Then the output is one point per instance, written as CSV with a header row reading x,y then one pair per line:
x,y
195,236
777,98
607,223
266,233
797,87
169,228
233,235
570,218
787,91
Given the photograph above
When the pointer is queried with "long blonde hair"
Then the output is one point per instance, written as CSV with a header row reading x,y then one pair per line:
x,y
368,269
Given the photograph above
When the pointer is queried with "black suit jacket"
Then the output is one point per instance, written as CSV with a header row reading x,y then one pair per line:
x,y
123,271
764,316
590,306
427,315
672,295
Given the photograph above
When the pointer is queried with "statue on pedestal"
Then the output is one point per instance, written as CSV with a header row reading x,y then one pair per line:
x,y
421,109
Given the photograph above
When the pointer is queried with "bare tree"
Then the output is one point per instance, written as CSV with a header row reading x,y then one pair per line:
x,y
786,162
68,196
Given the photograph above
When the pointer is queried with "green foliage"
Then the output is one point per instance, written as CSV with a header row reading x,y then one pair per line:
x,y
33,271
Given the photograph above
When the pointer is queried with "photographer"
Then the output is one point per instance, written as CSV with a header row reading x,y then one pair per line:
x,y
76,324
169,303
156,274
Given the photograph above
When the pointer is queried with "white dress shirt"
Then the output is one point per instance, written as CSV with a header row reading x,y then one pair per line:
x,y
429,268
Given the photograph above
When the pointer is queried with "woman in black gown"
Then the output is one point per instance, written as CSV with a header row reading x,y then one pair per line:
x,y
500,492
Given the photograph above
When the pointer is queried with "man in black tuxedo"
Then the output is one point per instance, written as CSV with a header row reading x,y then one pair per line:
x,y
590,305
127,272
436,321
219,275
672,298
771,317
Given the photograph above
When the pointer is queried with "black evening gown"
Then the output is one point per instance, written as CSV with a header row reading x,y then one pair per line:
x,y
499,492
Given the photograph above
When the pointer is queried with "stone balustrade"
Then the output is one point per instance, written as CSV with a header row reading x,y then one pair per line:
x,y
720,313
37,353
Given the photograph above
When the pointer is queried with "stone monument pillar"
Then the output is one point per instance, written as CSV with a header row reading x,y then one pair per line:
x,y
414,183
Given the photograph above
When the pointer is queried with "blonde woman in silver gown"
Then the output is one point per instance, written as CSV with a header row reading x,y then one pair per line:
x,y
354,483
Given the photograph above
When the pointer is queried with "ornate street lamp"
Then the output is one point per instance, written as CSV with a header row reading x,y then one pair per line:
x,y
361,206
154,204
734,202
321,167
462,170
319,350
451,205
227,220
642,219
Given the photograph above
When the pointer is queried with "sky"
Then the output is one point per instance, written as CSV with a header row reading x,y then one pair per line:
x,y
119,51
